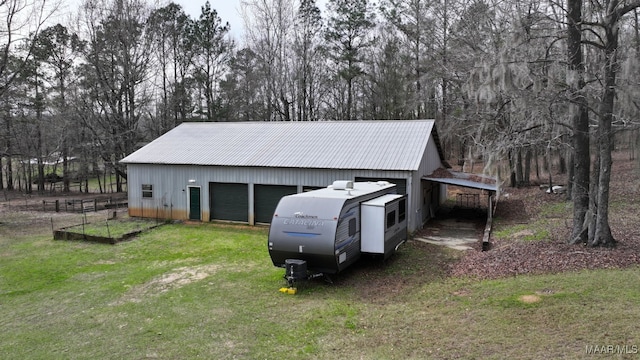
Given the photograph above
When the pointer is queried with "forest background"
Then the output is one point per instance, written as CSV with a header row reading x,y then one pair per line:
x,y
508,82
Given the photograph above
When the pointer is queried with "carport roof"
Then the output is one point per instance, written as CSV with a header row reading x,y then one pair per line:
x,y
474,181
371,145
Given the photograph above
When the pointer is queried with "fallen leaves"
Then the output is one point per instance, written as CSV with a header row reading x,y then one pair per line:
x,y
513,256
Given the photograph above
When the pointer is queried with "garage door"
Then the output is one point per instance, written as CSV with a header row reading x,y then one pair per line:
x,y
229,201
266,199
401,184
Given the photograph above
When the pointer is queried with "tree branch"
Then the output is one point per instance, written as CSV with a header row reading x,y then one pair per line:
x,y
627,8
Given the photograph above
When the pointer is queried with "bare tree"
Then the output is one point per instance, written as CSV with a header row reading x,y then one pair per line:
x,y
172,32
58,48
212,52
347,35
606,33
414,20
578,110
118,56
270,33
309,59
21,23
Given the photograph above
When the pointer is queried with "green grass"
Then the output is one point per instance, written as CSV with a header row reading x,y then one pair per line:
x,y
539,230
542,228
210,291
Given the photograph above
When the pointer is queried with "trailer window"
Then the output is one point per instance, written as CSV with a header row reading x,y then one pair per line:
x,y
402,210
352,227
147,190
391,219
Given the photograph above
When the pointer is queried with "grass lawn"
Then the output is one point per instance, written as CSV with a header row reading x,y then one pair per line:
x,y
210,291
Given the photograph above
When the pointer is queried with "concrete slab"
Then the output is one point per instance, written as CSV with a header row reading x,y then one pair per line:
x,y
455,234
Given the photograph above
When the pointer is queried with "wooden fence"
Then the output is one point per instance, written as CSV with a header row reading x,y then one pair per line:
x,y
83,205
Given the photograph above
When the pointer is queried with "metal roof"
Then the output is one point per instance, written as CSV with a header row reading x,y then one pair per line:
x,y
465,180
373,145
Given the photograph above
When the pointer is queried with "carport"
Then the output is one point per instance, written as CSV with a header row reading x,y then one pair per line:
x,y
472,181
467,180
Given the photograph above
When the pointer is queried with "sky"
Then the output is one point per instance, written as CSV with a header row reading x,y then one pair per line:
x,y
228,11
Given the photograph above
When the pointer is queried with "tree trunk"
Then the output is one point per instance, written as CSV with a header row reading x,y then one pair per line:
x,y
602,235
590,218
40,155
527,168
512,171
10,173
570,177
537,164
578,108
349,97
549,170
562,162
519,173
65,167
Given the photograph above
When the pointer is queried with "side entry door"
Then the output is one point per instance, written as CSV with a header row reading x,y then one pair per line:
x,y
194,204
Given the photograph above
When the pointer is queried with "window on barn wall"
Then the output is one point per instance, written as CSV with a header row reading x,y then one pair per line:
x,y
147,190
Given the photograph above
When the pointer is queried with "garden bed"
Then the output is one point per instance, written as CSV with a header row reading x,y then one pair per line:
x,y
107,232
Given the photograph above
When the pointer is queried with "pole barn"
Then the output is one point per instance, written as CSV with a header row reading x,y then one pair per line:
x,y
238,172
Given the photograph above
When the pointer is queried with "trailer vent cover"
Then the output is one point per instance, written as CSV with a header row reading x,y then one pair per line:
x,y
343,185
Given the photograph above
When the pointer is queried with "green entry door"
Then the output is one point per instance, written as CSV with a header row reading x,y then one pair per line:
x,y
194,204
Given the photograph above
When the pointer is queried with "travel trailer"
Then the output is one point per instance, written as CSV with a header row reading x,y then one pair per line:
x,y
325,231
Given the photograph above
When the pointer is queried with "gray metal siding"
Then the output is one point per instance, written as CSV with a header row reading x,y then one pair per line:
x,y
170,182
416,211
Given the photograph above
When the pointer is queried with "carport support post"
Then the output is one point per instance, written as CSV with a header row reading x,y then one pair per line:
x,y
413,219
252,212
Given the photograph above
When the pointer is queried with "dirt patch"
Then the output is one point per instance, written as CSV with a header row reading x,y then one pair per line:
x,y
166,282
416,263
23,215
530,299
